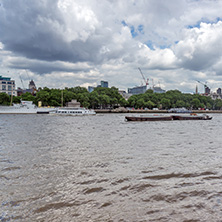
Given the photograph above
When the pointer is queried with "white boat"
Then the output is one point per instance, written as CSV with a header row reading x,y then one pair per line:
x,y
25,107
73,111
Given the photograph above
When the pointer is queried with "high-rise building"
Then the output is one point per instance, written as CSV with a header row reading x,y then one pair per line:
x,y
7,86
90,88
219,91
104,84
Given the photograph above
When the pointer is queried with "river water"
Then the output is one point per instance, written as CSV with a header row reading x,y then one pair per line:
x,y
103,169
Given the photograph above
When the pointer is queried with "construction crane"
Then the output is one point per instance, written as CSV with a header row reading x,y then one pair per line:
x,y
21,81
206,88
145,80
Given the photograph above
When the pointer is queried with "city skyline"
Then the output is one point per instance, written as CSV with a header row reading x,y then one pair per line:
x,y
60,43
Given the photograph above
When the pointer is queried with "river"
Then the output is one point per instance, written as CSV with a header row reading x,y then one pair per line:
x,y
104,169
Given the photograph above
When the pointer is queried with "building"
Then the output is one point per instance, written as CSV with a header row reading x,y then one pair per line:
x,y
7,86
219,91
90,88
31,89
104,84
73,103
32,85
207,90
124,94
137,90
158,90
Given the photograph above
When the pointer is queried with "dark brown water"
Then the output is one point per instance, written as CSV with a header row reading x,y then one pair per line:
x,y
103,169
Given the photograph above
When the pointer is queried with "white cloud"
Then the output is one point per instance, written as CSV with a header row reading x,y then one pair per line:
x,y
65,42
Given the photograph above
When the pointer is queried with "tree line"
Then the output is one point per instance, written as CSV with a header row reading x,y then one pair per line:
x,y
110,98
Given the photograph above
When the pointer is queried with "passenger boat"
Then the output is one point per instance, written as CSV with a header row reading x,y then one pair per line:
x,y
192,116
149,118
25,107
73,111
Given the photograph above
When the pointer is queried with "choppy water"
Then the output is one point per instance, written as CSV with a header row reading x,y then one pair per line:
x,y
101,168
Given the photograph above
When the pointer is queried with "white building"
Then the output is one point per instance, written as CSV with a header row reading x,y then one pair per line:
x,y
7,86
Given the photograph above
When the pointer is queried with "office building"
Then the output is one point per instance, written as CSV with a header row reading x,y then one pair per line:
x,y
104,84
90,88
7,86
158,90
137,90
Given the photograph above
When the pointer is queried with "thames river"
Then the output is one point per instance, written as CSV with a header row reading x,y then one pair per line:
x,y
104,169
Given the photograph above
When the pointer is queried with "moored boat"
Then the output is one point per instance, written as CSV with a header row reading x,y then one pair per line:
x,y
25,107
73,111
148,118
192,116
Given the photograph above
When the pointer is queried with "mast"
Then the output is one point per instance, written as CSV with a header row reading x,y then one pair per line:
x,y
62,98
11,96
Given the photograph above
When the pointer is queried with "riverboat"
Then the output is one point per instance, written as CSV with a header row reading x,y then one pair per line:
x,y
73,111
149,118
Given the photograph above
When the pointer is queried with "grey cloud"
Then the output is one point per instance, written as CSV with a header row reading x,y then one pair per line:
x,y
33,29
44,67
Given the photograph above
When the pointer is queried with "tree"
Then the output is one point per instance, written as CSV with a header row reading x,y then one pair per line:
x,y
43,96
104,100
132,101
94,99
149,104
123,102
27,97
180,104
165,103
196,103
218,104
140,103
4,99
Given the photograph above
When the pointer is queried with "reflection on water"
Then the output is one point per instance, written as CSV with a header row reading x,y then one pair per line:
x,y
101,168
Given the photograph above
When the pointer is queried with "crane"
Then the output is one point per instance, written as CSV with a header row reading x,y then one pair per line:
x,y
21,81
145,80
206,88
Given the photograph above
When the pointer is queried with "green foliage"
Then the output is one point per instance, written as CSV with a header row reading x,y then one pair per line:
x,y
172,99
110,98
27,97
218,104
4,99
165,103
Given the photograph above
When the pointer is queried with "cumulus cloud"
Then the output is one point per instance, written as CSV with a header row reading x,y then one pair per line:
x,y
89,40
201,47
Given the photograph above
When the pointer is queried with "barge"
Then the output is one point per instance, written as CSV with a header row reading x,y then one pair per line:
x,y
192,116
149,118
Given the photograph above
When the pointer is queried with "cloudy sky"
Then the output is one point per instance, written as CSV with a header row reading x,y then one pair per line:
x,y
68,43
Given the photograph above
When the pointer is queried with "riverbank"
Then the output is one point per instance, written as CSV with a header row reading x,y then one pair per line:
x,y
149,111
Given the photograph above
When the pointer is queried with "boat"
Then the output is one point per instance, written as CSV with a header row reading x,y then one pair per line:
x,y
149,118
25,107
73,111
192,116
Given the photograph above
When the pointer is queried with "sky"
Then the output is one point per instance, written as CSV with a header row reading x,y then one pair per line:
x,y
69,43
